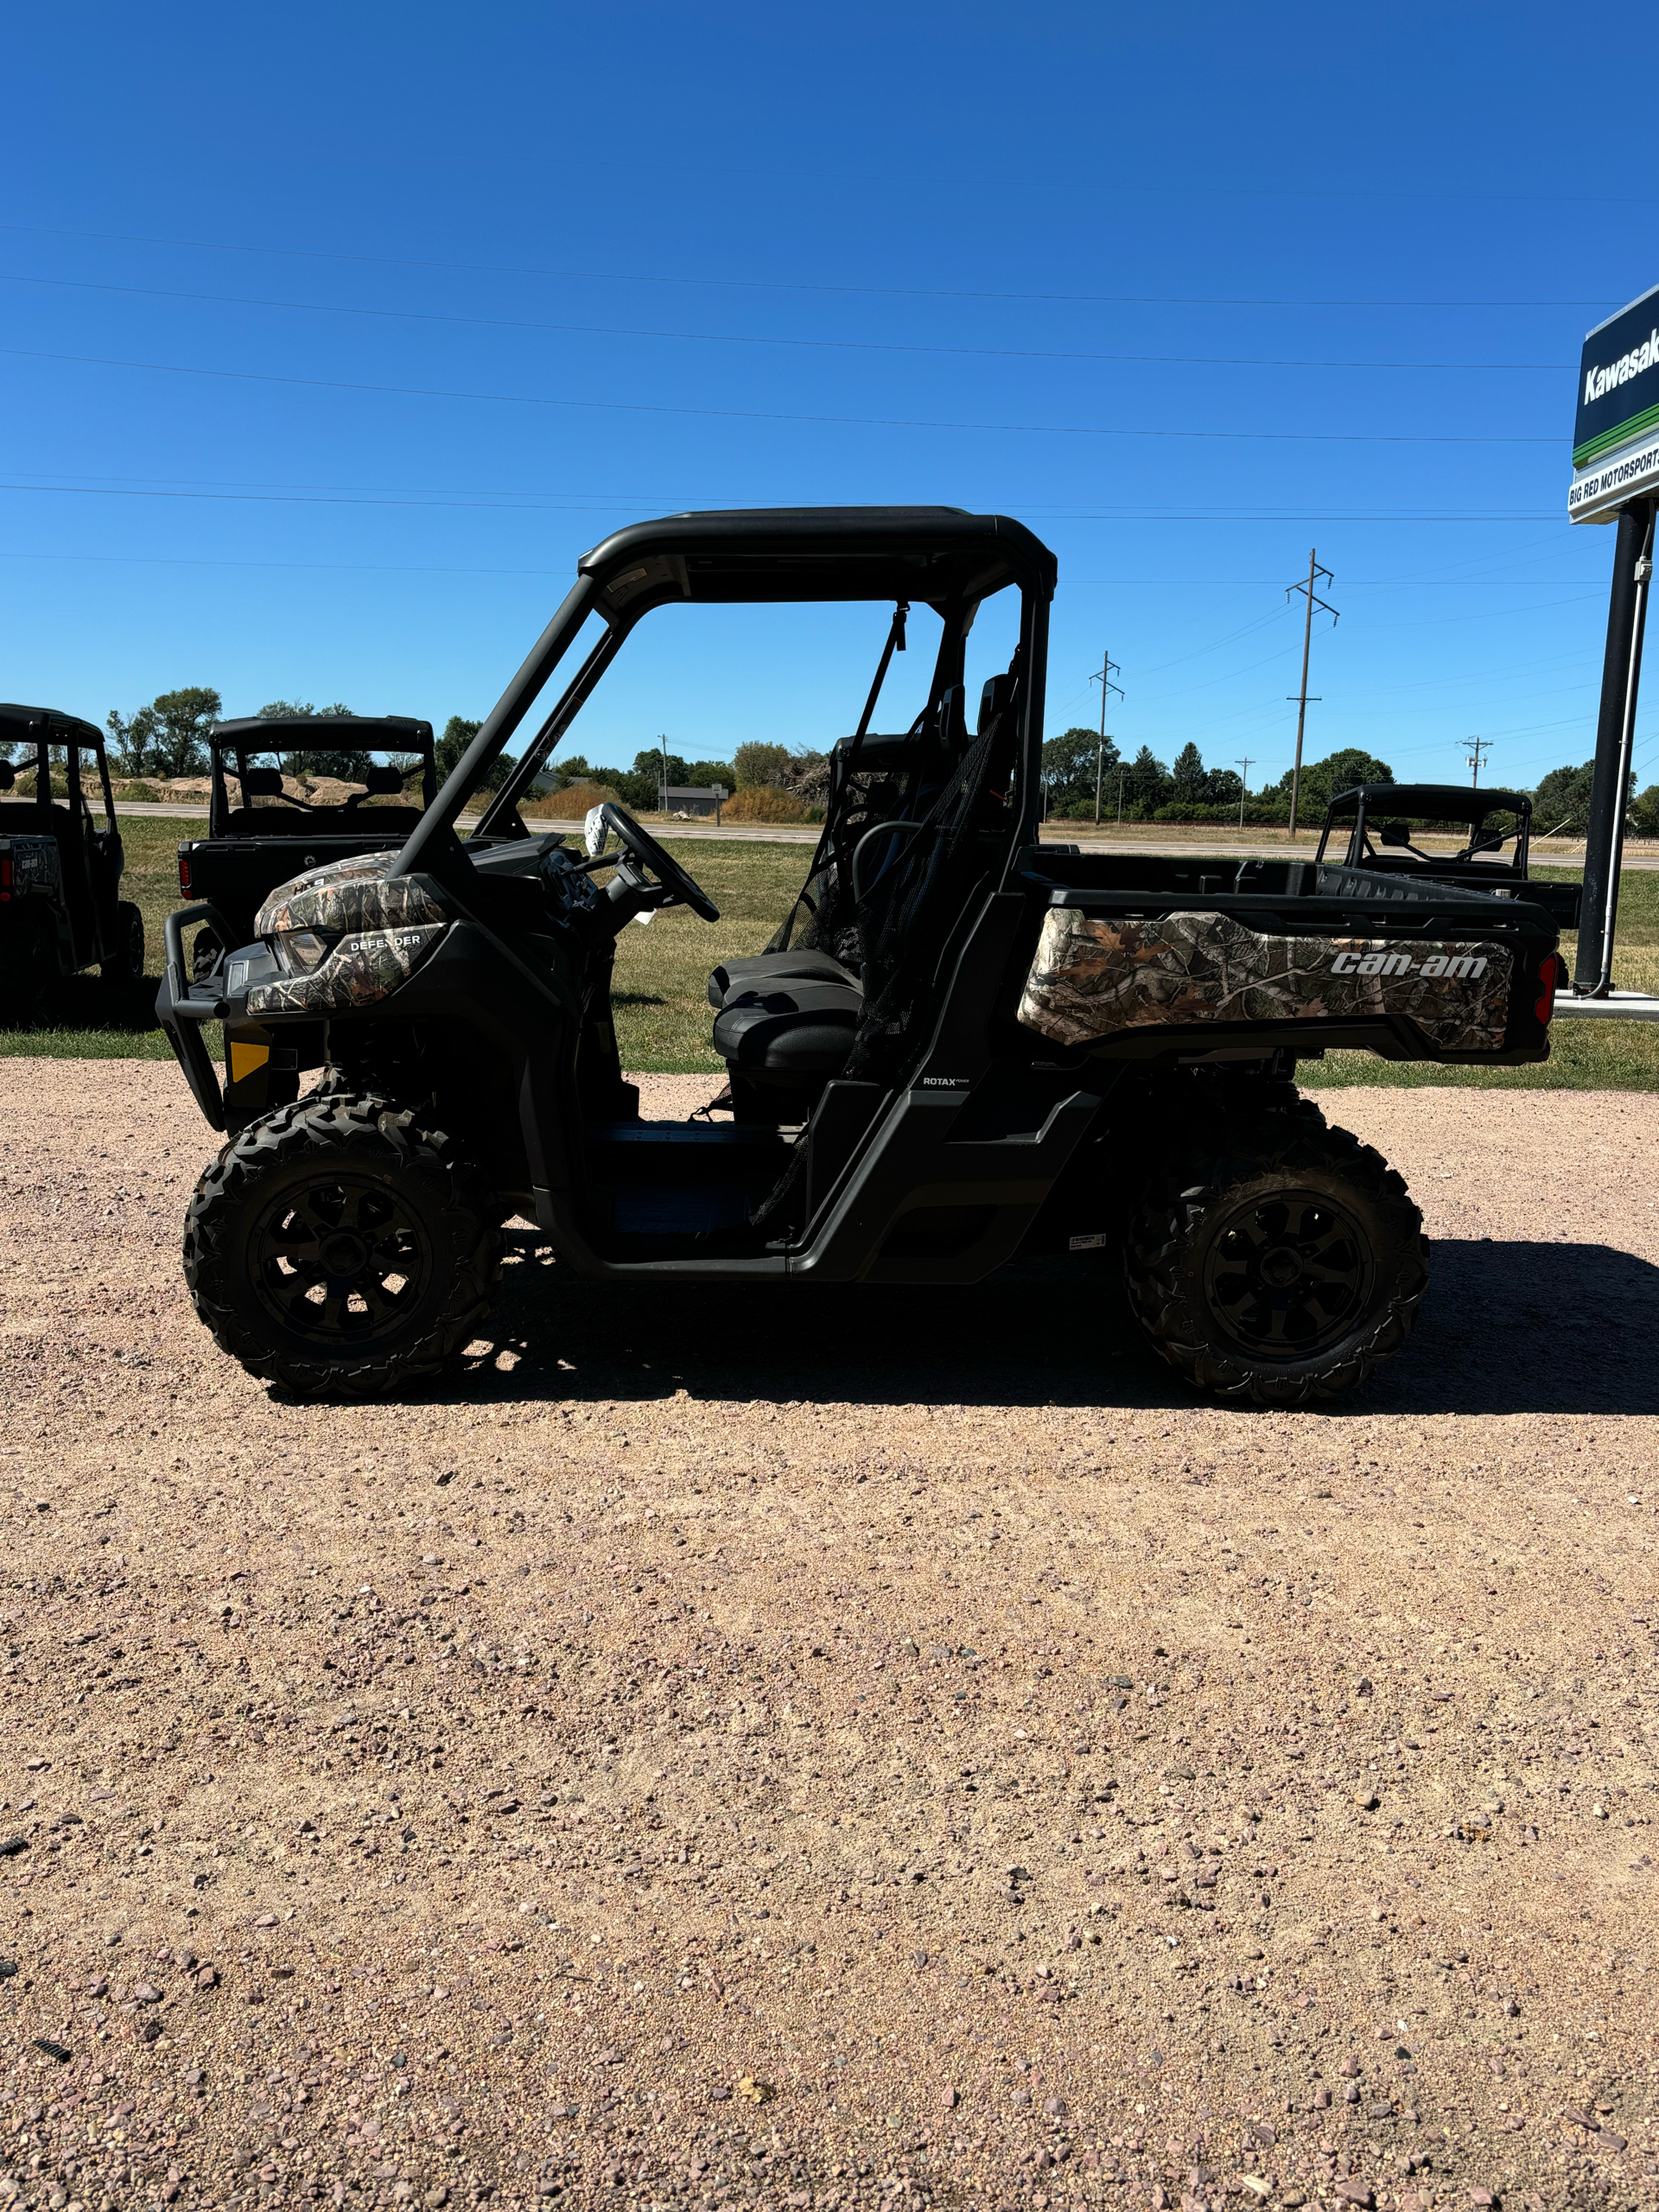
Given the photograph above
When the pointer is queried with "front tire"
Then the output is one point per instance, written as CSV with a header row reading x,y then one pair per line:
x,y
1279,1266
126,962
340,1248
31,979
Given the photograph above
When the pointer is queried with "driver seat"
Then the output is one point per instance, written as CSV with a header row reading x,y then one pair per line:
x,y
761,969
801,1024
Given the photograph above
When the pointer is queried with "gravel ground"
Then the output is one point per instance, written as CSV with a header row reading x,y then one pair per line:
x,y
864,1749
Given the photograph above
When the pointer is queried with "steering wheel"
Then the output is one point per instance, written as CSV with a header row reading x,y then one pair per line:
x,y
681,891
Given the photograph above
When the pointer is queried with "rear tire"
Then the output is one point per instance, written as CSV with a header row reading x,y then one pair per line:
x,y
1281,1265
341,1249
126,964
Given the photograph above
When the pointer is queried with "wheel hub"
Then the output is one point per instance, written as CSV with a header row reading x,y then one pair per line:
x,y
1280,1266
343,1256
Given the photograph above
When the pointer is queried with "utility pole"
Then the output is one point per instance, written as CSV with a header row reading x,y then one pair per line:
x,y
1104,677
1243,787
1471,753
1315,572
1121,771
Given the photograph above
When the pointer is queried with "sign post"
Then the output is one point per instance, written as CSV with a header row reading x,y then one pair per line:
x,y
1616,476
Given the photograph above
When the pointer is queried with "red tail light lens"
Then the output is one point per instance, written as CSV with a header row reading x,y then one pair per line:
x,y
184,874
1551,972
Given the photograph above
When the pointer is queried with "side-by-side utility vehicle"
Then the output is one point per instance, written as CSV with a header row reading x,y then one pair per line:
x,y
960,1047
274,831
1482,839
60,864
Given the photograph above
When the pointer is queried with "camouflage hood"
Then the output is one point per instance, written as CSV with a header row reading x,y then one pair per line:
x,y
348,934
350,895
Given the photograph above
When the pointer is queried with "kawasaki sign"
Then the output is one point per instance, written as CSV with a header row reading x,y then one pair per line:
x,y
1616,437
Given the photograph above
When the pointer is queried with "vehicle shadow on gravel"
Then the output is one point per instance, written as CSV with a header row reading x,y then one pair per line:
x,y
1519,1327
1042,1333
1507,1327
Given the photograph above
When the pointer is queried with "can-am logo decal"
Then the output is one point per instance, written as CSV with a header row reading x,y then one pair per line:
x,y
1401,963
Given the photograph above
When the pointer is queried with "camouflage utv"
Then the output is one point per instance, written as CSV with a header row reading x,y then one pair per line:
x,y
961,1047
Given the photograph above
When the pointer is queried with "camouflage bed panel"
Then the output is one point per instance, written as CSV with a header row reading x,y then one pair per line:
x,y
1091,978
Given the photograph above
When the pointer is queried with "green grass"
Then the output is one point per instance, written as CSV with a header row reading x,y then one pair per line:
x,y
662,1015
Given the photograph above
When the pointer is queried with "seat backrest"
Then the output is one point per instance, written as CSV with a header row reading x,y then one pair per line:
x,y
911,909
996,697
381,780
263,783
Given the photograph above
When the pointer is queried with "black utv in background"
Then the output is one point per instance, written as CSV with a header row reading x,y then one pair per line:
x,y
60,865
1380,822
269,835
960,1048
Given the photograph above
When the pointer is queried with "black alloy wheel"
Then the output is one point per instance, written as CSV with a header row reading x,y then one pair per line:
x,y
342,1248
341,1263
1287,1274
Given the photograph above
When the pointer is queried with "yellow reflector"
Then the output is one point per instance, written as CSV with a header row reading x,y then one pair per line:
x,y
247,1059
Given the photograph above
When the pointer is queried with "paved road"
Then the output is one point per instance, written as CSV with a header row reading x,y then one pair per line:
x,y
1559,853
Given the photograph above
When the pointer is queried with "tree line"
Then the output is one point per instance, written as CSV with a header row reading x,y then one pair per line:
x,y
168,738
1145,789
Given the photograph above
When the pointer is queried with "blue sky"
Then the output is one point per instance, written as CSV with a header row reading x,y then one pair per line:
x,y
333,336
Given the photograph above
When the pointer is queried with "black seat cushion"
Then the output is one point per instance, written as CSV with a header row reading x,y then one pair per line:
x,y
801,1027
763,970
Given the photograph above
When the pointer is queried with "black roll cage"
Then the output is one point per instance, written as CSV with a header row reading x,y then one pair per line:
x,y
942,556
1433,802
281,733
41,727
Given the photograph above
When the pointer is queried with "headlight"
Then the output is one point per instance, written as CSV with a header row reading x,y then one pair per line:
x,y
297,953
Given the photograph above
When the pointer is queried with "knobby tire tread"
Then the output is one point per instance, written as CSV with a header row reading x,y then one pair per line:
x,y
323,1120
1161,1238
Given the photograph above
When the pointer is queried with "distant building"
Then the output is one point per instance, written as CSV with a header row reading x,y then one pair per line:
x,y
694,798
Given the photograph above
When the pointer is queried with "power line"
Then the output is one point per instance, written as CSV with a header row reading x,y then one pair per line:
x,y
729,338
1315,572
763,415
766,283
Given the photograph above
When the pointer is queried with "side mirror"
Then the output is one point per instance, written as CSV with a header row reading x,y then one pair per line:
x,y
595,830
1394,833
8,775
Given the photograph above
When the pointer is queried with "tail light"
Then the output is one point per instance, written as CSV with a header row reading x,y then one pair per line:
x,y
1550,973
5,874
184,872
